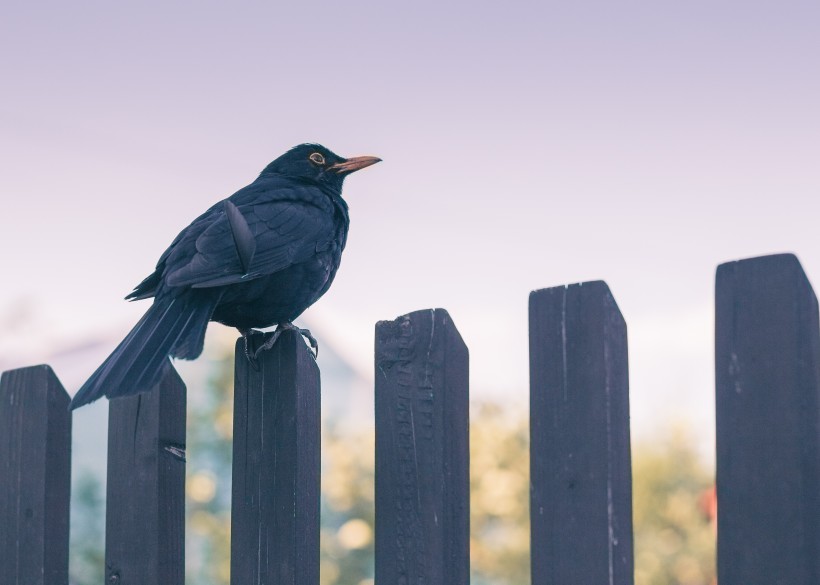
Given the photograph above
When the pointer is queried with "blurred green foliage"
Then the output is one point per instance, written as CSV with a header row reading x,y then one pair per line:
x,y
674,539
499,496
672,504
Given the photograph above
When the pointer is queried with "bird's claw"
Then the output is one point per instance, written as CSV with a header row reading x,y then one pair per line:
x,y
312,341
272,338
250,355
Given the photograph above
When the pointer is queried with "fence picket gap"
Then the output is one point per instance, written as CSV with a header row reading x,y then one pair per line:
x,y
422,451
35,477
767,364
145,501
276,460
580,468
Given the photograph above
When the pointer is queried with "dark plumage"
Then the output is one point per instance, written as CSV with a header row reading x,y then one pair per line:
x,y
257,259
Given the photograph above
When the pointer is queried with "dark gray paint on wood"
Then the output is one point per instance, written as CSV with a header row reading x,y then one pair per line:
x,y
580,468
145,502
422,451
276,460
35,477
768,423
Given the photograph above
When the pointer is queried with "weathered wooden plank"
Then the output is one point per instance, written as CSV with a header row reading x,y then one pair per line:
x,y
145,509
35,477
580,467
422,451
768,423
276,460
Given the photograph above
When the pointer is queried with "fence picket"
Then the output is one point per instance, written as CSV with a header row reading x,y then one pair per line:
x,y
767,364
145,501
276,460
35,477
580,469
422,451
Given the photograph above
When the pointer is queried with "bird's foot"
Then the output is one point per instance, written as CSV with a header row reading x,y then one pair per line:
x,y
314,344
312,341
272,338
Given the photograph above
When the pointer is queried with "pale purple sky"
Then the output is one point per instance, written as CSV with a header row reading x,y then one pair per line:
x,y
525,145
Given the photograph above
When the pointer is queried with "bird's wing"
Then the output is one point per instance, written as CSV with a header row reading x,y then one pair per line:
x,y
286,230
243,237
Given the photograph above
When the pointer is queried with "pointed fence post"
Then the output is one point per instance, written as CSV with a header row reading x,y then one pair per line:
x,y
35,477
580,468
422,451
276,460
767,364
145,501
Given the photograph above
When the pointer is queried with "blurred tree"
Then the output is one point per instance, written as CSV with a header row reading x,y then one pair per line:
x,y
499,496
674,536
347,507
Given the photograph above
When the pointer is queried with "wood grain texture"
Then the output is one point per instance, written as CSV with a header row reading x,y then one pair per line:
x,y
767,364
145,502
35,477
276,464
580,467
422,451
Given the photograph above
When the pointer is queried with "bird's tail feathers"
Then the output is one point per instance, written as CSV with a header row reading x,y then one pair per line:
x,y
171,327
189,346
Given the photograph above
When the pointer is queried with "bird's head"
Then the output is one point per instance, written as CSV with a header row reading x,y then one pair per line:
x,y
314,162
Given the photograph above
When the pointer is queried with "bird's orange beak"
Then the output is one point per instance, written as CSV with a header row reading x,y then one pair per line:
x,y
354,164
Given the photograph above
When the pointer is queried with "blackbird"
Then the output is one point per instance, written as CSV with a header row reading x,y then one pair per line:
x,y
256,259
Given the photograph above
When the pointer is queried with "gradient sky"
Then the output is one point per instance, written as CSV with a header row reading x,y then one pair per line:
x,y
525,145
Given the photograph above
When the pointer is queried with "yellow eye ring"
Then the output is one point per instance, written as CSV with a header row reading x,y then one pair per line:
x,y
317,158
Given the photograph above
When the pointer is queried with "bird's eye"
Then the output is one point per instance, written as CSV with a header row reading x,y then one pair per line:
x,y
317,158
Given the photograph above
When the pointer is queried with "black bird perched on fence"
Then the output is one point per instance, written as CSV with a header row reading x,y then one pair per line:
x,y
257,259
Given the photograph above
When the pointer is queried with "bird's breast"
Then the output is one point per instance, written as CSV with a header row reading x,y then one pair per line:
x,y
278,297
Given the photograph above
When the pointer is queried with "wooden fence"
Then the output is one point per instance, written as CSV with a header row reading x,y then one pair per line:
x,y
768,451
